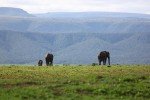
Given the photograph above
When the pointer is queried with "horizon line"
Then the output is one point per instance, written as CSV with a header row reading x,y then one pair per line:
x,y
76,11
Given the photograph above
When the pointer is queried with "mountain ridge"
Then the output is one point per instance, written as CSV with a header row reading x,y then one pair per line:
x,y
11,11
92,14
28,47
75,40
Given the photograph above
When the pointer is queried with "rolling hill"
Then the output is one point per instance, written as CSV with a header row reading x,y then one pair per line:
x,y
9,11
91,15
99,25
28,47
74,38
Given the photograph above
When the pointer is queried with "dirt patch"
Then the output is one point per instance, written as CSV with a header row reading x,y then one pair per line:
x,y
57,91
8,86
142,78
22,84
99,77
84,91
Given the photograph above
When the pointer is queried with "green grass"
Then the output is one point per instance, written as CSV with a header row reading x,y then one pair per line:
x,y
127,82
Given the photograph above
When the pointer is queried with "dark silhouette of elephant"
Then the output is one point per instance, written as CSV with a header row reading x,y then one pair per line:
x,y
49,59
40,63
102,57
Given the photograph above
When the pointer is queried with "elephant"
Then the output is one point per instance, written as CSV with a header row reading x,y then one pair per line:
x,y
102,57
49,59
40,63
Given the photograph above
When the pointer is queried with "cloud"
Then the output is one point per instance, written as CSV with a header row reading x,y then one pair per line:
x,y
42,6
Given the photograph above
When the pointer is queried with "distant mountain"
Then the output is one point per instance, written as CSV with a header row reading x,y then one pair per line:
x,y
81,25
22,47
92,15
77,48
74,38
9,11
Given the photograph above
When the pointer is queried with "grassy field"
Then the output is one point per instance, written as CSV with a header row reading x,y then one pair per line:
x,y
127,82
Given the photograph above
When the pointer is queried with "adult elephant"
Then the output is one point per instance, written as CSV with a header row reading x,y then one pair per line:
x,y
102,57
49,59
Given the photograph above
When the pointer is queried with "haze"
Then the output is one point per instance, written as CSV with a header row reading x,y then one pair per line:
x,y
43,6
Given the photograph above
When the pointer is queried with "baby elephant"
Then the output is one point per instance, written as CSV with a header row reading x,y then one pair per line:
x,y
40,63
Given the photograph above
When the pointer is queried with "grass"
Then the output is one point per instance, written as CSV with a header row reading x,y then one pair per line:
x,y
127,82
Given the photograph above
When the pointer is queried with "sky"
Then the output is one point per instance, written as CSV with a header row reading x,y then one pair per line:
x,y
44,6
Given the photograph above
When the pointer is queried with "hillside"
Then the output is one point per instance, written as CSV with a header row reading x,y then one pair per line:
x,y
66,25
75,40
28,47
91,15
9,11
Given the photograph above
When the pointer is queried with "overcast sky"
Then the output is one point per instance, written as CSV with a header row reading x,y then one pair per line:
x,y
43,6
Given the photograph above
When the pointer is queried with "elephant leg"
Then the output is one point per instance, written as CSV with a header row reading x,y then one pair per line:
x,y
100,62
109,60
104,62
50,63
46,63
